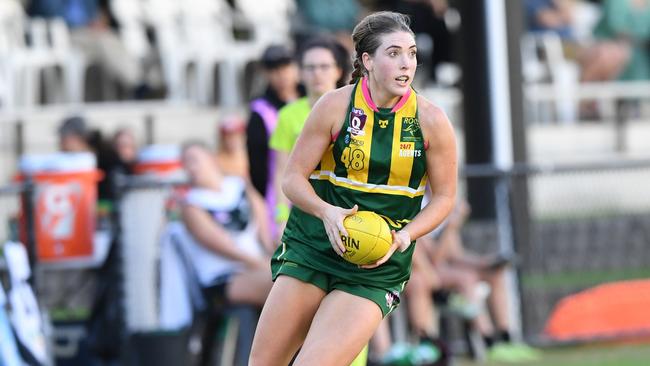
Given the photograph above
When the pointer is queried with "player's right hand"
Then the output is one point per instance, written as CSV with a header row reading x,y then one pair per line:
x,y
333,221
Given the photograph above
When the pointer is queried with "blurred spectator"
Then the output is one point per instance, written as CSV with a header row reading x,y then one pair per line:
x,y
73,135
281,73
226,218
231,148
444,264
334,17
551,16
117,156
599,61
113,157
324,66
90,30
224,237
627,23
556,17
125,146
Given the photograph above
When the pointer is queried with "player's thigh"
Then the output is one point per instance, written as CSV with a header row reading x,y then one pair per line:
x,y
285,320
341,328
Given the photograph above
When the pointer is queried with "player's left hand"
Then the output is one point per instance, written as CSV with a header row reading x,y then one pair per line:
x,y
401,241
402,238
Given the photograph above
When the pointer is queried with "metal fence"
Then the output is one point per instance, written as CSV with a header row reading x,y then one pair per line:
x,y
587,225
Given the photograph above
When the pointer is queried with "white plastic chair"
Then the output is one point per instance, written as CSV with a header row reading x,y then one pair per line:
x,y
198,34
42,54
7,84
13,52
209,25
271,19
585,19
564,74
73,60
177,55
23,63
130,16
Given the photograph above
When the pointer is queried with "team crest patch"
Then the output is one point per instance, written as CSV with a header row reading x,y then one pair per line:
x,y
392,298
410,130
357,122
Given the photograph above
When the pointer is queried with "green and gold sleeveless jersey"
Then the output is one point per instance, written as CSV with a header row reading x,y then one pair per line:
x,y
376,161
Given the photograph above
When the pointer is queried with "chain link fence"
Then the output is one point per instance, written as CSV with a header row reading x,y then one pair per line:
x,y
587,225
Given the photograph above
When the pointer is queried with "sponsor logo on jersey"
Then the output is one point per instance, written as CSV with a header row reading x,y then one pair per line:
x,y
408,150
410,130
383,123
357,122
356,142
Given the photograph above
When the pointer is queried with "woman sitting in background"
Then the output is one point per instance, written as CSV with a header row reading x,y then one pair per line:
x,y
226,218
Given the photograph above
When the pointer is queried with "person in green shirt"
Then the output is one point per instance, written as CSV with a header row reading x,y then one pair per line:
x,y
324,67
627,22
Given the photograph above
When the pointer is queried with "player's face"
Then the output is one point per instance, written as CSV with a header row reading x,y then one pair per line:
x,y
394,62
319,71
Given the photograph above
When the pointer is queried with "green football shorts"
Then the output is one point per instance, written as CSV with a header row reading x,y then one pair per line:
x,y
386,299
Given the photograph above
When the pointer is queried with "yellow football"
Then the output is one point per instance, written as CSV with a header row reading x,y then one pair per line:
x,y
368,238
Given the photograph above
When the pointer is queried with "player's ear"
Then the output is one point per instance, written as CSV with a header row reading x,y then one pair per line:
x,y
368,61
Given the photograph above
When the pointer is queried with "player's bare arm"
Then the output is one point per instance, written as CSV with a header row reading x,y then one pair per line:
x,y
325,119
442,169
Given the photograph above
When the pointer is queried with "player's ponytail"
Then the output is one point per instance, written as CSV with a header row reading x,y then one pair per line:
x,y
358,71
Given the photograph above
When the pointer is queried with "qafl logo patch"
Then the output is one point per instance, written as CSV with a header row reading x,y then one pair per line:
x,y
357,122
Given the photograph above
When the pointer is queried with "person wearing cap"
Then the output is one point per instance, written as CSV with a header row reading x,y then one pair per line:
x,y
73,135
281,74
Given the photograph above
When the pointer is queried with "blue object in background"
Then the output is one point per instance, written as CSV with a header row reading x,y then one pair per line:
x,y
9,355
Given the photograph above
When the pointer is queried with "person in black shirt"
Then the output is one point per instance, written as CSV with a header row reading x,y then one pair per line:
x,y
281,72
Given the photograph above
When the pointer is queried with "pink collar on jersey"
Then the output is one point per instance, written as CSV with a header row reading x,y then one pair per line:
x,y
373,106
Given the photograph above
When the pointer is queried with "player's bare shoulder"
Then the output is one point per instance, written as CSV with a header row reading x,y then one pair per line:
x,y
437,130
432,117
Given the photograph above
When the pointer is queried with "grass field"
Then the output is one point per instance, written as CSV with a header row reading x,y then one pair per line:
x,y
588,355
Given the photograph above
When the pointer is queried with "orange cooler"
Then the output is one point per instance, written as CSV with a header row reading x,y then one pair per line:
x,y
64,203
